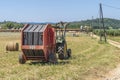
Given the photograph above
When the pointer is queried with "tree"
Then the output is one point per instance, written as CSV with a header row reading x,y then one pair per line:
x,y
9,25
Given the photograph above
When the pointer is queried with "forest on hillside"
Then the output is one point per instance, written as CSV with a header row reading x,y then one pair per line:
x,y
109,24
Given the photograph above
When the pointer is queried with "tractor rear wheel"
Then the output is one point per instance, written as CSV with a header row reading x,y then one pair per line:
x,y
21,59
52,58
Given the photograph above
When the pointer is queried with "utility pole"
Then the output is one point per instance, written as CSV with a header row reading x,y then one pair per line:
x,y
103,26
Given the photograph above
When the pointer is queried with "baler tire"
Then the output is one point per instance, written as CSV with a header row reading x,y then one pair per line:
x,y
21,59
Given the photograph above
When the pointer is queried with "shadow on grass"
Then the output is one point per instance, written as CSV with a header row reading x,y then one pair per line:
x,y
48,63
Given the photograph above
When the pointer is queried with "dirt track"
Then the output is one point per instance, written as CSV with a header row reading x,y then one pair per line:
x,y
115,73
114,43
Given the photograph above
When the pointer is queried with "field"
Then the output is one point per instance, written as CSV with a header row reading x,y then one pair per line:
x,y
90,61
116,38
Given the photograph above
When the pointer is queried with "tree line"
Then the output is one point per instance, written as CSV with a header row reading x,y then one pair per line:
x,y
109,23
110,32
10,25
94,24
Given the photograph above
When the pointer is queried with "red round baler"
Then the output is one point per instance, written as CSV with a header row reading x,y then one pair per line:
x,y
37,43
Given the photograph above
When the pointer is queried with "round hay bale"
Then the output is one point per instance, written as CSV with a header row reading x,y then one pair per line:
x,y
12,46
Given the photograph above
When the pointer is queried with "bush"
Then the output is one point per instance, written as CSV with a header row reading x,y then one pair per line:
x,y
110,32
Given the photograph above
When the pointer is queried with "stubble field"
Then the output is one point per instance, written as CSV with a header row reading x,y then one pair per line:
x,y
90,60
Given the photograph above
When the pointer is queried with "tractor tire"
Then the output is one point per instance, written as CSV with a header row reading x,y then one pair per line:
x,y
69,53
21,59
61,53
61,56
52,58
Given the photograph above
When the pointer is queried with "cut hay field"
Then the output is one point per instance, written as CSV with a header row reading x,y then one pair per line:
x,y
116,38
90,61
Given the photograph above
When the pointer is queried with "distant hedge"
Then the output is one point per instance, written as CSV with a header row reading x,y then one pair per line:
x,y
111,32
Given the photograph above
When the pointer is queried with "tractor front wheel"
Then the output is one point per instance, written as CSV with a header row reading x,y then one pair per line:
x,y
21,59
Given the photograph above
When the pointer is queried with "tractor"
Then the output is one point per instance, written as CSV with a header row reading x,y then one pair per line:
x,y
44,43
61,43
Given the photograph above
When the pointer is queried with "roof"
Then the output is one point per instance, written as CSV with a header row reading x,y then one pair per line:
x,y
35,28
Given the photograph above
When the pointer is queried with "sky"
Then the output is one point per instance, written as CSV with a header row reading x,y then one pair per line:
x,y
56,10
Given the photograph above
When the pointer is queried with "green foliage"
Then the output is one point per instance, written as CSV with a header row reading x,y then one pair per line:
x,y
73,25
110,32
10,25
109,23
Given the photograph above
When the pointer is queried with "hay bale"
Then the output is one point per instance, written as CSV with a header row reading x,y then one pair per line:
x,y
12,46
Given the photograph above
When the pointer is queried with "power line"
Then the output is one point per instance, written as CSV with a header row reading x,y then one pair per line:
x,y
111,6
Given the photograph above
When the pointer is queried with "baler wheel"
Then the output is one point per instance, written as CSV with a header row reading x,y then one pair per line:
x,y
21,59
52,58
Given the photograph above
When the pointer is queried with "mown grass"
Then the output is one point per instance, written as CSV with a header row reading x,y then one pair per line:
x,y
116,38
90,61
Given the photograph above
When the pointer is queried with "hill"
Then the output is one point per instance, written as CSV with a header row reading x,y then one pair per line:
x,y
109,23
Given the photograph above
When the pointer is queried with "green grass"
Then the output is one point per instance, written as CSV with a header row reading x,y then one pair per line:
x,y
117,38
89,61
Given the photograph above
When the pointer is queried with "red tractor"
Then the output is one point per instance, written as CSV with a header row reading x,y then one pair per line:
x,y
41,42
